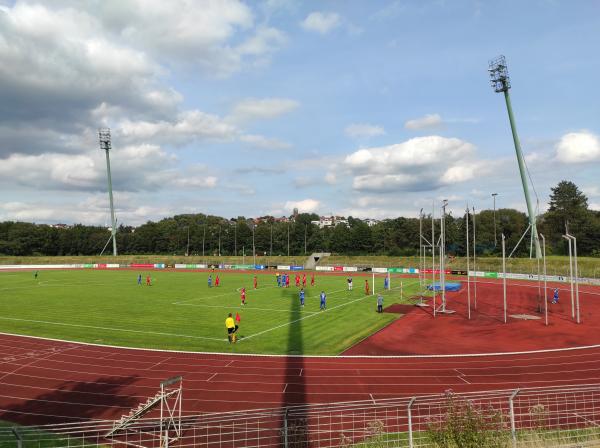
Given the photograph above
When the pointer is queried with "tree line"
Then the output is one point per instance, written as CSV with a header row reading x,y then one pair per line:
x,y
200,234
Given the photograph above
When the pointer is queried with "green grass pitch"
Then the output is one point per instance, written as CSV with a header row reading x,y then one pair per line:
x,y
180,312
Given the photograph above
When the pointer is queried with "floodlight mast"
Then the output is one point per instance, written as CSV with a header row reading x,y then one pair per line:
x,y
500,82
105,144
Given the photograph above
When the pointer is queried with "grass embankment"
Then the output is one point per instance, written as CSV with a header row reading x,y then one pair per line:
x,y
170,259
179,311
555,265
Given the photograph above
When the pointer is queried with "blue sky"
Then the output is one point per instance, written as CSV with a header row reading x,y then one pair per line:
x,y
370,109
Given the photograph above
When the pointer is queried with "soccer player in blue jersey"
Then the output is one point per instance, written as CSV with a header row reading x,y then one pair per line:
x,y
386,283
555,298
140,279
302,297
323,300
210,280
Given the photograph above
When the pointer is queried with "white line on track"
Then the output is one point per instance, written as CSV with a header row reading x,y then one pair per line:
x,y
158,363
347,357
284,389
229,363
462,378
372,399
64,324
212,376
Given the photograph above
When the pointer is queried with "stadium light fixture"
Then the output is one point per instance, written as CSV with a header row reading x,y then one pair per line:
x,y
105,144
500,82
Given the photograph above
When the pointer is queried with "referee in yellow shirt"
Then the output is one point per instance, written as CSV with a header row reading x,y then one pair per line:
x,y
231,328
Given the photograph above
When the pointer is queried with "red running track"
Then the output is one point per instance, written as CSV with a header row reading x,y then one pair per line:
x,y
48,381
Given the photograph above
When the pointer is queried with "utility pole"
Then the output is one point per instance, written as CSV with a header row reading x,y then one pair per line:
x,y
501,83
203,239
495,239
305,230
187,250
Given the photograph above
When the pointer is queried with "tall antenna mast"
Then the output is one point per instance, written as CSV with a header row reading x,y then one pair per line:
x,y
501,83
105,144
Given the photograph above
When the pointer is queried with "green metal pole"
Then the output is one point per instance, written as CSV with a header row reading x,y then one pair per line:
x,y
112,208
520,160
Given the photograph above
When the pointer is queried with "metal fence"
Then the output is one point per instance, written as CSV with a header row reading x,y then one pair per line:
x,y
532,417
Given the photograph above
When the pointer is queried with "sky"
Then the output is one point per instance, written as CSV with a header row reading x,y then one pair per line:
x,y
372,109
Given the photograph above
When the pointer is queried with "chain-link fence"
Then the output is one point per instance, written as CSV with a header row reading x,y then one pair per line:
x,y
533,417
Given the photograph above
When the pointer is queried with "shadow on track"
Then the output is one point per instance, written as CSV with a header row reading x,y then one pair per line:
x,y
294,431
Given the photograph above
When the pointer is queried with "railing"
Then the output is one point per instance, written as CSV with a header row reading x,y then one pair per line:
x,y
532,417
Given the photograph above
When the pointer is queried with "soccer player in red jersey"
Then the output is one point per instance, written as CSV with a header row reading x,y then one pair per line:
x,y
243,295
217,280
148,281
304,280
297,280
287,281
312,279
366,287
255,282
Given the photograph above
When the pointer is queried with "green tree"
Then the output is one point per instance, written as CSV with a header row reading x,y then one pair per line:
x,y
568,206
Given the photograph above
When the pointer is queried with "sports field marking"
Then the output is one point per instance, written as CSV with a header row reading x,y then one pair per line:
x,y
212,376
302,318
312,315
64,324
243,307
230,293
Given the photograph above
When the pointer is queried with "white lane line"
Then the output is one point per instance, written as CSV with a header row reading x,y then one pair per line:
x,y
372,399
586,419
229,363
64,324
301,370
158,363
462,378
213,375
285,388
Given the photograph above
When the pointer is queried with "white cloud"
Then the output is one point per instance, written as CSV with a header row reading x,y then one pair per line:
x,y
578,147
262,108
330,178
142,167
259,141
188,126
321,22
304,206
419,164
357,130
429,121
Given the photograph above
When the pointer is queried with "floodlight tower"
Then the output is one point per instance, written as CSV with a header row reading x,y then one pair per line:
x,y
105,144
501,83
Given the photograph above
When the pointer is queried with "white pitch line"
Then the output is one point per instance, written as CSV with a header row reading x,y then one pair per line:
x,y
302,318
186,301
213,375
244,307
64,324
